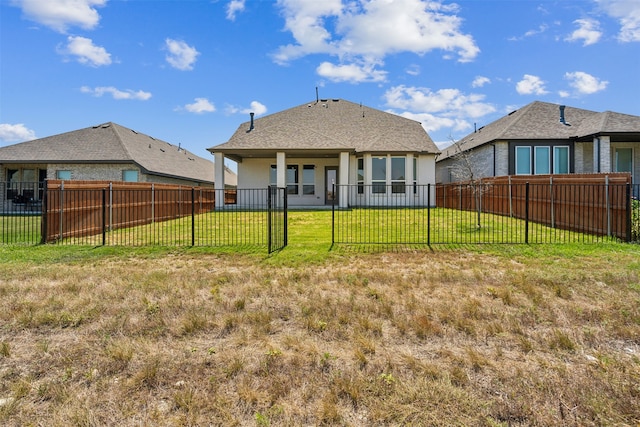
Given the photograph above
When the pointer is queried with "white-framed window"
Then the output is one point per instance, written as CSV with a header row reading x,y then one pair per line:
x,y
398,175
360,177
623,160
523,160
561,159
130,175
309,180
378,175
64,175
292,179
415,176
542,160
273,175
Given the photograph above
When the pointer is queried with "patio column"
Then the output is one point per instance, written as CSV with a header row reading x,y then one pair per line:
x,y
218,180
281,169
343,179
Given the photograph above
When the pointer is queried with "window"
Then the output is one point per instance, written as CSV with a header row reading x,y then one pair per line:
x,y
415,175
63,175
308,180
560,159
13,182
360,178
398,175
273,175
379,175
623,161
130,176
292,179
523,160
542,160
28,175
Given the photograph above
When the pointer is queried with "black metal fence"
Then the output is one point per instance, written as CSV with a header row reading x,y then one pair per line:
x,y
457,214
143,215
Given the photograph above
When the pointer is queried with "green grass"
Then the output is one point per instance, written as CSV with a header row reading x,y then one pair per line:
x,y
20,229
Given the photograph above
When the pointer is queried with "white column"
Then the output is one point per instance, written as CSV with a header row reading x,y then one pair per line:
x,y
218,160
281,170
368,176
343,179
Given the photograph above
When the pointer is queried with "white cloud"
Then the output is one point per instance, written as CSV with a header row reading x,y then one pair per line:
x,y
628,14
233,7
564,94
585,84
255,107
86,52
588,31
200,106
413,70
116,93
351,73
181,55
62,14
445,108
480,81
541,29
363,32
15,133
531,85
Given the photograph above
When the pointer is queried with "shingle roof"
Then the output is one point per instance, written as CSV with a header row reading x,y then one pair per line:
x,y
333,124
541,121
112,143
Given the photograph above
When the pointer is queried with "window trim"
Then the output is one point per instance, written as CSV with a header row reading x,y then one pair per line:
x,y
379,186
399,186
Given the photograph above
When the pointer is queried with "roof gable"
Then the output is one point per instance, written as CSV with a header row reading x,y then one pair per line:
x,y
333,124
112,143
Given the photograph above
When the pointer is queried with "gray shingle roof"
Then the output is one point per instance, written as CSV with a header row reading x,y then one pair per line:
x,y
541,121
112,143
335,125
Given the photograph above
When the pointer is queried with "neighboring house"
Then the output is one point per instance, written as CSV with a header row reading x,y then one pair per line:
x,y
309,147
542,138
106,152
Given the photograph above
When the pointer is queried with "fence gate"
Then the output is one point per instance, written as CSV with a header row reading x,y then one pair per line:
x,y
276,218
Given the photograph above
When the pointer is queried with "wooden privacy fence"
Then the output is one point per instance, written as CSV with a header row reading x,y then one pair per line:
x,y
84,208
594,203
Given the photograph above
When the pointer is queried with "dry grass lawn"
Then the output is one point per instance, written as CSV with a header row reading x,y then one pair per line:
x,y
499,337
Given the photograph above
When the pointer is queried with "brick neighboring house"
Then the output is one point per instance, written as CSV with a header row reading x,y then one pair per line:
x,y
106,152
543,138
309,147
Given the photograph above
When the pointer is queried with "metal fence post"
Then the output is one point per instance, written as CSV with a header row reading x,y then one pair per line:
x,y
628,194
526,213
193,216
333,215
429,214
104,216
269,218
285,199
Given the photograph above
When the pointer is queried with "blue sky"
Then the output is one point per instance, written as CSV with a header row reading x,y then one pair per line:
x,y
189,72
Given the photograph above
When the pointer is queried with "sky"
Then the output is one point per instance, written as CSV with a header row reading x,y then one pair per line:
x,y
189,72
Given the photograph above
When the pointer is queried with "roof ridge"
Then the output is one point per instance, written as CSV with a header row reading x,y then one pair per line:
x,y
113,126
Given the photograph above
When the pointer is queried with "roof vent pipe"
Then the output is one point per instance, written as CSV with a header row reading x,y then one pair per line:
x,y
562,120
251,125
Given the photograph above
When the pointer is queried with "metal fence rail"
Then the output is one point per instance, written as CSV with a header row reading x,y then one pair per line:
x,y
495,213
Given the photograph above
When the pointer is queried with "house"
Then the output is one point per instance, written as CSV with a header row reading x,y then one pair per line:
x,y
106,152
543,138
310,147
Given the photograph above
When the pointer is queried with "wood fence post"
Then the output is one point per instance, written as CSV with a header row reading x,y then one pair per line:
x,y
104,216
